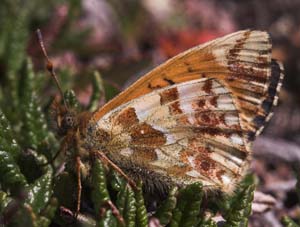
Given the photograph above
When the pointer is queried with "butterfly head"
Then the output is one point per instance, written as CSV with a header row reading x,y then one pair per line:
x,y
68,122
63,119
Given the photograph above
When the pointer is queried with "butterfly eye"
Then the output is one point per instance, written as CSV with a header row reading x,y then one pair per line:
x,y
68,121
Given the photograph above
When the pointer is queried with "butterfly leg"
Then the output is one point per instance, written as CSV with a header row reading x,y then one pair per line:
x,y
68,216
104,158
109,205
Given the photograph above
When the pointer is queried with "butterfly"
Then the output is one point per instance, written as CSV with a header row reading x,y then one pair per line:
x,y
192,119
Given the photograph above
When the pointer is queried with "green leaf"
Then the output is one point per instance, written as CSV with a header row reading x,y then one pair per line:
x,y
121,197
5,27
11,177
100,195
4,201
71,99
208,223
129,208
288,222
176,217
141,212
42,221
108,220
7,141
164,212
40,192
13,46
240,203
116,182
129,212
98,92
34,129
17,38
48,214
187,211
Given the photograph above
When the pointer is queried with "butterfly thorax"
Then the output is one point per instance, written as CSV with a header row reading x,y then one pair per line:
x,y
96,139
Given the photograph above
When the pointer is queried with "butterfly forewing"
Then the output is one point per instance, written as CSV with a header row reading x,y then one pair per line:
x,y
240,61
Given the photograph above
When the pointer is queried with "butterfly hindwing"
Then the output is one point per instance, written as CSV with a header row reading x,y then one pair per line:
x,y
193,119
189,131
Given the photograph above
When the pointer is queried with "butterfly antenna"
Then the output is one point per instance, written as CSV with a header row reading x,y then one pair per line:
x,y
50,66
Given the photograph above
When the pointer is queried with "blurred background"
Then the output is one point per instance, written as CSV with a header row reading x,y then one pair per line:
x,y
125,39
